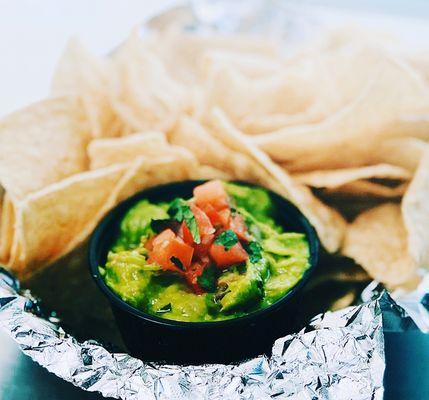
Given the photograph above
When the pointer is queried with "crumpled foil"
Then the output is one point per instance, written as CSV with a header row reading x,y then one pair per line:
x,y
340,355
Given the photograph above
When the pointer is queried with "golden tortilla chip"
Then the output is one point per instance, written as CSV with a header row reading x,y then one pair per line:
x,y
42,144
404,152
209,172
7,220
146,172
242,96
347,138
377,240
251,65
88,77
54,220
333,79
328,223
420,62
339,177
366,189
415,210
105,152
143,94
183,53
209,151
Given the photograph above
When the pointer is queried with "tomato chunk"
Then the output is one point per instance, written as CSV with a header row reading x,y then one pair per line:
x,y
202,249
225,258
205,227
185,234
191,275
238,225
213,193
219,218
164,236
167,245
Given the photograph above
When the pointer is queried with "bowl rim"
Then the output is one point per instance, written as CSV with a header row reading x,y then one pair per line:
x,y
118,211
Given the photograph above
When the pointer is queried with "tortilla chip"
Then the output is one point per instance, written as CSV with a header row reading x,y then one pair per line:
x,y
105,152
288,93
420,61
339,177
52,221
347,138
404,152
183,53
87,77
208,172
7,219
377,240
146,172
367,189
328,223
143,94
415,210
250,65
332,79
210,151
42,144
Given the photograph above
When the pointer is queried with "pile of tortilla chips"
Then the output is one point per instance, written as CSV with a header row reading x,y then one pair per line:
x,y
347,119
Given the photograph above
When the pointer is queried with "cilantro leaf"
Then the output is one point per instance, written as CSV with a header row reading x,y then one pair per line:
x,y
176,261
227,238
207,280
164,309
180,211
255,252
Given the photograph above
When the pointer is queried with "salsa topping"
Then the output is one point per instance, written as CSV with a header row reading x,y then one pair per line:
x,y
203,242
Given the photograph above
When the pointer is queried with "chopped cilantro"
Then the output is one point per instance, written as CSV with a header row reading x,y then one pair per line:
x,y
180,211
227,238
176,261
207,280
255,252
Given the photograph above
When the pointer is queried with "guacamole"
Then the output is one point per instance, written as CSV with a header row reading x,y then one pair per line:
x,y
215,256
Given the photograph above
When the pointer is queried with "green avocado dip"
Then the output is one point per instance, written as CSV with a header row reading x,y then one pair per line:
x,y
216,256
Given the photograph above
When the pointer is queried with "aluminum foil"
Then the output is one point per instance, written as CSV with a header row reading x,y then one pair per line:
x,y
339,355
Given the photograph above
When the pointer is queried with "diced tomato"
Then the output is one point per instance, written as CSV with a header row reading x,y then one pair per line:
x,y
219,218
192,274
185,234
205,227
238,225
225,258
225,216
202,249
213,193
167,245
165,235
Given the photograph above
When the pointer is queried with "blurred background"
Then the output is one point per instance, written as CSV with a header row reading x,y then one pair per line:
x,y
33,33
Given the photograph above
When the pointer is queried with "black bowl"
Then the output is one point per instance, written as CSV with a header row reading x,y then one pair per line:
x,y
153,338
